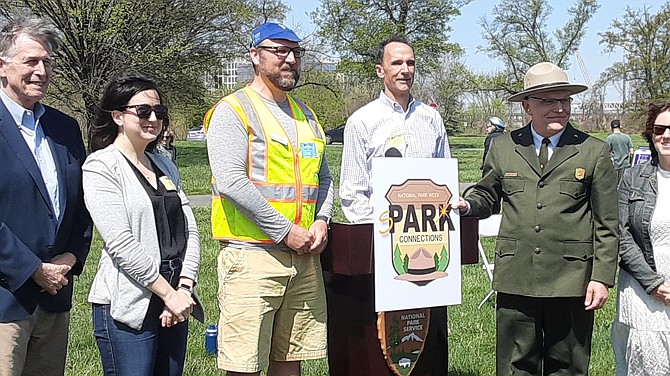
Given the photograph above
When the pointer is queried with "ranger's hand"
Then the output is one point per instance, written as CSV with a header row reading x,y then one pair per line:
x,y
596,295
461,206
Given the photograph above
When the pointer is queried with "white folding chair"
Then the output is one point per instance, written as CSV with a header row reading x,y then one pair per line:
x,y
488,227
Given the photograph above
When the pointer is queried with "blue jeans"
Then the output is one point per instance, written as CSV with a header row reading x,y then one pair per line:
x,y
152,350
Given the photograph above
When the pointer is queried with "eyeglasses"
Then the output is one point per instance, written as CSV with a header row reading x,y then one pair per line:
x,y
551,102
659,130
144,111
283,51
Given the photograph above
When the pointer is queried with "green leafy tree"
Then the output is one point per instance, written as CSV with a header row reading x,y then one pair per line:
x,y
323,92
644,37
354,29
175,41
518,36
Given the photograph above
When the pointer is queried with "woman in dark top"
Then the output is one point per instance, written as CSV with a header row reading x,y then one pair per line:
x,y
165,147
143,291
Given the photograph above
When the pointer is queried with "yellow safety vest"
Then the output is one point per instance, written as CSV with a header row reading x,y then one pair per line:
x,y
287,178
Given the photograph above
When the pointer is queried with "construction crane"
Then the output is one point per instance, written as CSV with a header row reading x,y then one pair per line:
x,y
597,96
582,67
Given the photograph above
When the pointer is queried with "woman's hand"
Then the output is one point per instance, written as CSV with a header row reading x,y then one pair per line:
x,y
179,304
662,293
167,320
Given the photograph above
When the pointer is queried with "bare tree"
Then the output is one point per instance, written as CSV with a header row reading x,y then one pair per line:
x,y
518,36
645,39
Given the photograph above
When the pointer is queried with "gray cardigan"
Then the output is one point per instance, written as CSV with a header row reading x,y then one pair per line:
x,y
123,214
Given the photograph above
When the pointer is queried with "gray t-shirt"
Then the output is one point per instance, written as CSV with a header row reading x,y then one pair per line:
x,y
620,145
227,146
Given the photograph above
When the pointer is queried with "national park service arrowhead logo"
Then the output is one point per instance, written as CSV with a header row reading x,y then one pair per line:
x,y
419,223
402,335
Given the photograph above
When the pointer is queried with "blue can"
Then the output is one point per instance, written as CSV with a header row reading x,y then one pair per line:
x,y
210,339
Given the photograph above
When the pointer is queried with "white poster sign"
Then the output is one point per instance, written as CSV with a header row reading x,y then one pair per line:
x,y
416,234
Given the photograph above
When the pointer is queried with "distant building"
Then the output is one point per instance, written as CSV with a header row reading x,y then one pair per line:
x,y
231,74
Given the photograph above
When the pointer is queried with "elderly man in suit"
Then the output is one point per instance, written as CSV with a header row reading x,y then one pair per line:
x,y
556,252
45,230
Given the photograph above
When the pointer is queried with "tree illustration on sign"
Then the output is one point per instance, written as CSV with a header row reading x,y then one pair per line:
x,y
444,260
398,263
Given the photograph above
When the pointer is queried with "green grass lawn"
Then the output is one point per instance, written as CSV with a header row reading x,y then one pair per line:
x,y
195,173
471,330
194,167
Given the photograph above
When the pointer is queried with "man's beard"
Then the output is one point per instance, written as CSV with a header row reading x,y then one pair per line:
x,y
286,84
280,81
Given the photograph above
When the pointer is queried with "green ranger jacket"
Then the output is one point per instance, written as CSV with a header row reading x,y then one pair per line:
x,y
559,227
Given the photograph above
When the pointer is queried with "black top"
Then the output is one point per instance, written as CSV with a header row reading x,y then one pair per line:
x,y
170,224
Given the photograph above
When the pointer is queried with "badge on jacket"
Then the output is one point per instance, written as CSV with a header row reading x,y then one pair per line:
x,y
580,173
167,183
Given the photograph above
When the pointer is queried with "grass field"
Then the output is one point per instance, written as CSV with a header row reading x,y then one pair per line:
x,y
471,330
195,173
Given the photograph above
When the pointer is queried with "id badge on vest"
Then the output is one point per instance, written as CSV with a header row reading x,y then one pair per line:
x,y
308,150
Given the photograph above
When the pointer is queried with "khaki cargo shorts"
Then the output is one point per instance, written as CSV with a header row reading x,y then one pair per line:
x,y
273,307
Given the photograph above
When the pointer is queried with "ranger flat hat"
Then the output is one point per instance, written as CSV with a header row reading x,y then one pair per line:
x,y
545,77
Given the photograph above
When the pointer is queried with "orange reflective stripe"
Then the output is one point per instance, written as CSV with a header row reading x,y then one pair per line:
x,y
288,181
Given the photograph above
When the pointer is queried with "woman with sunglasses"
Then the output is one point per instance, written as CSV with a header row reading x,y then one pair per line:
x,y
143,291
641,330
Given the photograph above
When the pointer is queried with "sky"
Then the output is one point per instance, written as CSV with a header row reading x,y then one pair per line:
x,y
593,55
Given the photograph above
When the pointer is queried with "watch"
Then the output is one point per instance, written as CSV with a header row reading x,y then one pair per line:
x,y
186,287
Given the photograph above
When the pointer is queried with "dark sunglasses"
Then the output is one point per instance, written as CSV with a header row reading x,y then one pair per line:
x,y
659,130
144,111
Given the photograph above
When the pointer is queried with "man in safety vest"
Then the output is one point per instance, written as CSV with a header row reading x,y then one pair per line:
x,y
272,200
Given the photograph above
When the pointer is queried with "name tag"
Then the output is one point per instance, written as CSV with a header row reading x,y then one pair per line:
x,y
167,183
308,150
280,139
397,141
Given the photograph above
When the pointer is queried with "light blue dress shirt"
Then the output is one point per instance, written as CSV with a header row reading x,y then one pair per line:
x,y
553,141
28,122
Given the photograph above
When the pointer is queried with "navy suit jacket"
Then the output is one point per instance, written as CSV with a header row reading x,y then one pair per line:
x,y
28,233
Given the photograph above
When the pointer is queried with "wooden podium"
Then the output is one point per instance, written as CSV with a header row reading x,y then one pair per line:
x,y
353,345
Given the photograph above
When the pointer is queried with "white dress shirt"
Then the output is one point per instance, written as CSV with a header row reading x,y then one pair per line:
x,y
374,129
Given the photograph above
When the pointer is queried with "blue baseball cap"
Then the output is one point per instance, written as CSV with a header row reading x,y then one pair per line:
x,y
271,30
